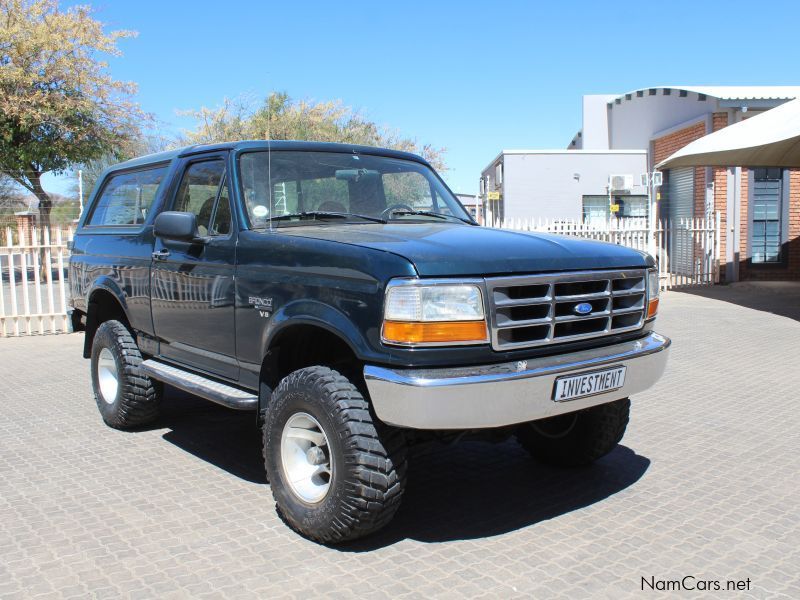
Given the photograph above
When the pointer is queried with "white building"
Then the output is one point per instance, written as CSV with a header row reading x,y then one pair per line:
x,y
630,133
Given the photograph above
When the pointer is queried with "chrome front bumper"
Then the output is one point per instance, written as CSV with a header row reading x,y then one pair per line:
x,y
506,393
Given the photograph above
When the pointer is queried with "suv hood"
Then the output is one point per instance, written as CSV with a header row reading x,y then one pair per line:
x,y
444,249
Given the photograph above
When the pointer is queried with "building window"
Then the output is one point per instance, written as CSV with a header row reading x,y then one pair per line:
x,y
766,199
595,210
632,206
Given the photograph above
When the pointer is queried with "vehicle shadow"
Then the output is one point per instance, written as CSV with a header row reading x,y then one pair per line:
x,y
227,439
477,490
466,491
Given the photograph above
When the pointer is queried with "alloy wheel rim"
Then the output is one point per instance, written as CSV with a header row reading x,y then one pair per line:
x,y
306,458
107,376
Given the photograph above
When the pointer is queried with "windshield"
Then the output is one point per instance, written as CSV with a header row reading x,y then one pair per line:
x,y
342,187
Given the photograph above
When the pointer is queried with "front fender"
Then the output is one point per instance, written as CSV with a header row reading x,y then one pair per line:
x,y
319,314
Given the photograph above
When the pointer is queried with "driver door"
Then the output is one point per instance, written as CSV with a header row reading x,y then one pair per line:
x,y
192,299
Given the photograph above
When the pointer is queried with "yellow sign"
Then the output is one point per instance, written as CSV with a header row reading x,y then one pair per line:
x,y
614,208
494,195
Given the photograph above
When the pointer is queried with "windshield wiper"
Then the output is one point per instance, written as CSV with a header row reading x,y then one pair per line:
x,y
428,213
320,214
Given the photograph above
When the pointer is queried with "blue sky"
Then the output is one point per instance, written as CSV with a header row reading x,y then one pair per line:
x,y
472,77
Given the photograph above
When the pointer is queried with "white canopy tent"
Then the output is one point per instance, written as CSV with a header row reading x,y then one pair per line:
x,y
771,139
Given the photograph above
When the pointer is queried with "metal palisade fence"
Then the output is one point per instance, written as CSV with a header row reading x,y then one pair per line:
x,y
34,286
687,250
33,281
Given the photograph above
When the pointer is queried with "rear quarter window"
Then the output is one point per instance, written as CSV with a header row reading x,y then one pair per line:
x,y
126,198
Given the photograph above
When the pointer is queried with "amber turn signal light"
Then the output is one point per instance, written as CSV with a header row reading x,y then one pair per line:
x,y
652,308
434,332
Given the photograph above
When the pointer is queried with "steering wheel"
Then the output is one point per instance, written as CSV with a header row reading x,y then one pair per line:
x,y
387,212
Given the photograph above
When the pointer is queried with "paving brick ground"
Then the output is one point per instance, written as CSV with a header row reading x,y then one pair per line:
x,y
705,484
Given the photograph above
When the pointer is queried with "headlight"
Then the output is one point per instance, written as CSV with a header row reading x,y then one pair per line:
x,y
431,314
653,286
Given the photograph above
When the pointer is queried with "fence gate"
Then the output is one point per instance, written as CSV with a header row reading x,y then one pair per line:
x,y
33,281
686,250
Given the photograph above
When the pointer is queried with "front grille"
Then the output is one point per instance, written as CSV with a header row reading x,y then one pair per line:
x,y
536,310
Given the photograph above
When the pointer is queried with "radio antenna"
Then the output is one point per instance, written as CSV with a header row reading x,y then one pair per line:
x,y
269,157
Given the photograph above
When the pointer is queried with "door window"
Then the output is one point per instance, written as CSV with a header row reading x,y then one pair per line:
x,y
200,191
221,223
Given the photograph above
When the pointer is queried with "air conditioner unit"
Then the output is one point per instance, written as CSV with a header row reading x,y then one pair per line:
x,y
620,183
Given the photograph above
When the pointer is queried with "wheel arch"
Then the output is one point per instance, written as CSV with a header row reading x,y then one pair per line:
x,y
306,342
104,302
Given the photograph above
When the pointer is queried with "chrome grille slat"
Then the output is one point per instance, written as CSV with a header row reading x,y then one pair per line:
x,y
579,297
612,294
523,302
570,318
627,293
625,311
529,323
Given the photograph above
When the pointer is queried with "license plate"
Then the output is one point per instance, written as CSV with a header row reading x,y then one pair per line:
x,y
588,384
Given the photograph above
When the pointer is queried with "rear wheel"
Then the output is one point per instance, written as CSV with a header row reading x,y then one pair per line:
x,y
125,396
336,474
576,438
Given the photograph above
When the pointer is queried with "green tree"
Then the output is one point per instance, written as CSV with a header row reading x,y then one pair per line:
x,y
11,200
279,117
59,106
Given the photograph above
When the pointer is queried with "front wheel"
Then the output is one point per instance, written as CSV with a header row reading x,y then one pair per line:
x,y
336,474
576,438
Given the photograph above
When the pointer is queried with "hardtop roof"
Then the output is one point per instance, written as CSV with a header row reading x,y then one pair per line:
x,y
275,145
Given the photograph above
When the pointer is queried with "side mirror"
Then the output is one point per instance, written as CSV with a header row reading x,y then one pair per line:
x,y
173,225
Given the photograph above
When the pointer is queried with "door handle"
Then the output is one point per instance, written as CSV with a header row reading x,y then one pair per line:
x,y
161,254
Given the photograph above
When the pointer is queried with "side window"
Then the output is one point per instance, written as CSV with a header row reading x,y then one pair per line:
x,y
126,198
198,192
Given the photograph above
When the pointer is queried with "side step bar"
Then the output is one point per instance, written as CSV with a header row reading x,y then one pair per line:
x,y
201,386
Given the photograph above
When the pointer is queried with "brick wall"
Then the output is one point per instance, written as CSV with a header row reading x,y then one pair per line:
x,y
744,190
664,146
793,246
667,145
720,179
720,205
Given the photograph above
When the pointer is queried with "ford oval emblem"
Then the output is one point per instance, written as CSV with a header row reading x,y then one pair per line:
x,y
584,308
